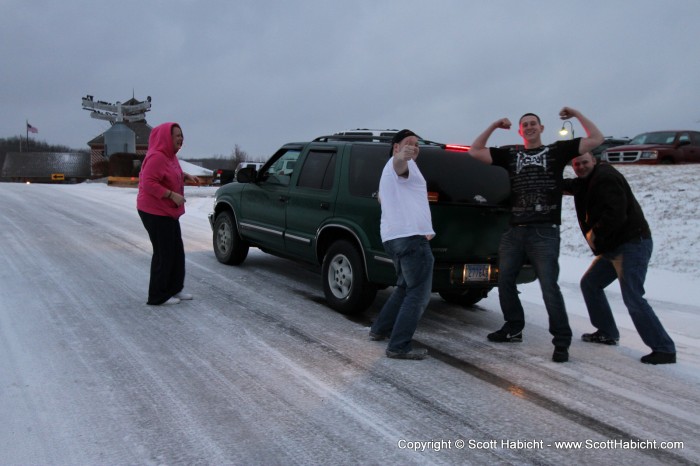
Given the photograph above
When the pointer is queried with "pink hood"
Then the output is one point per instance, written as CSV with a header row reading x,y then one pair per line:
x,y
160,173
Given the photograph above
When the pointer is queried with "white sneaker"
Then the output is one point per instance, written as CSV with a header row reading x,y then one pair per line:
x,y
184,296
172,300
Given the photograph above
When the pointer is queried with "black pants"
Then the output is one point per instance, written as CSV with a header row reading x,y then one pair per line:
x,y
168,261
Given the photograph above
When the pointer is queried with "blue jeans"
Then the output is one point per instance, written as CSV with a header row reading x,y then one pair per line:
x,y
628,264
399,316
539,244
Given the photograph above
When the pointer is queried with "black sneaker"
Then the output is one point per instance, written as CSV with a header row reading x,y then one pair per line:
x,y
420,353
599,337
503,336
561,354
656,357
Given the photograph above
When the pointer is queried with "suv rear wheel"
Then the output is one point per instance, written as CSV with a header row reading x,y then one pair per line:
x,y
228,246
344,283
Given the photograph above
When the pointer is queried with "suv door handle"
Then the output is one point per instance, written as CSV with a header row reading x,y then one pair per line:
x,y
325,205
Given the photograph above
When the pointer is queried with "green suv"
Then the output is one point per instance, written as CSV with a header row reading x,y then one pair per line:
x,y
316,202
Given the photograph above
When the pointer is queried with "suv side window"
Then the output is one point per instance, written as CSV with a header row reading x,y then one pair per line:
x,y
366,165
318,171
684,137
280,172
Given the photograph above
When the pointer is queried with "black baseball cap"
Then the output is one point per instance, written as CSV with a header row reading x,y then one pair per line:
x,y
401,135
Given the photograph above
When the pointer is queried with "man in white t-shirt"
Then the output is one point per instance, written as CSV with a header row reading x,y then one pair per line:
x,y
406,229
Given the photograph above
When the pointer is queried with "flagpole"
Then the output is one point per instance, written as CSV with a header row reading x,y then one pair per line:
x,y
26,128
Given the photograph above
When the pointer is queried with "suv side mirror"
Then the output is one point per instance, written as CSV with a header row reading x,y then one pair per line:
x,y
246,175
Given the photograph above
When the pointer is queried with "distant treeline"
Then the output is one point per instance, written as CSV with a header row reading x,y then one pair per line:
x,y
227,163
213,163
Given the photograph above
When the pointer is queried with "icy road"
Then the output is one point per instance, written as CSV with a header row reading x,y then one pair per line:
x,y
257,370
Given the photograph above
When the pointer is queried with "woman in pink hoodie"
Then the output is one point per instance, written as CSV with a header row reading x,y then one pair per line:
x,y
160,203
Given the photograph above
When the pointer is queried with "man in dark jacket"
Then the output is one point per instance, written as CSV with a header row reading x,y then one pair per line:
x,y
614,226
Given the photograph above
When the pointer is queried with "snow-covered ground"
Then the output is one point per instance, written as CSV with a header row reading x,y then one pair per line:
x,y
670,197
257,370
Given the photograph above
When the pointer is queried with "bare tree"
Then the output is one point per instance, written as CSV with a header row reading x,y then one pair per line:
x,y
238,155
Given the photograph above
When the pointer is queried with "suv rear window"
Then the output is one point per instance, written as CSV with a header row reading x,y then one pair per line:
x,y
366,164
453,176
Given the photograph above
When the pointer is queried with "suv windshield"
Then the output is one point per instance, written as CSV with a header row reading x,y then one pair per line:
x,y
664,137
280,172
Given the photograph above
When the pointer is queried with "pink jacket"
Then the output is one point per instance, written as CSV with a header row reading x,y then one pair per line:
x,y
160,173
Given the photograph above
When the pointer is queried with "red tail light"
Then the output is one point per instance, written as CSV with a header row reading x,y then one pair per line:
x,y
457,148
433,196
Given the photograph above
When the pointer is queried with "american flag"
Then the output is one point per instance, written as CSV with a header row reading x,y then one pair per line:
x,y
31,129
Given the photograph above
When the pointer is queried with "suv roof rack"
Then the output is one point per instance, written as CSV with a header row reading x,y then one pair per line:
x,y
354,137
370,138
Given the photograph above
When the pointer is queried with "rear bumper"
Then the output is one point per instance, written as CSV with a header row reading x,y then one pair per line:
x,y
461,276
450,276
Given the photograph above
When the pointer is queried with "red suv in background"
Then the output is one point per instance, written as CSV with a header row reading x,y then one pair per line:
x,y
658,147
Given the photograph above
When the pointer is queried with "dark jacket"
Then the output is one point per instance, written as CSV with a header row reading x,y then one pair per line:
x,y
605,204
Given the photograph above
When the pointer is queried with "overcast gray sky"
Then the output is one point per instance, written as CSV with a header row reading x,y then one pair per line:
x,y
260,73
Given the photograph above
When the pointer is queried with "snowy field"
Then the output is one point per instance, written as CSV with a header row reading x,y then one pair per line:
x,y
670,198
257,370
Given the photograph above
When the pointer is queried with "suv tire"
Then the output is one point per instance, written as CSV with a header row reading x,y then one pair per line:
x,y
228,246
344,280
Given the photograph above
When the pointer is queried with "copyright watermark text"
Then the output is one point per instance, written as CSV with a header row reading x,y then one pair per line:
x,y
533,444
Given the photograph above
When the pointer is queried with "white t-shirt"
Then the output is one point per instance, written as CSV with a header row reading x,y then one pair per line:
x,y
405,209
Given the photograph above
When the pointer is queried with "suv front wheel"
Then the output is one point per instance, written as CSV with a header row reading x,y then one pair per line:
x,y
344,283
228,246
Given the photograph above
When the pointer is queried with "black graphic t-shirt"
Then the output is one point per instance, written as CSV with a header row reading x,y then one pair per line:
x,y
535,180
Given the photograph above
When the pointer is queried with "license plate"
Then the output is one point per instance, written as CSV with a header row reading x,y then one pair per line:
x,y
476,273
466,273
